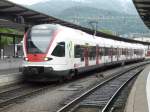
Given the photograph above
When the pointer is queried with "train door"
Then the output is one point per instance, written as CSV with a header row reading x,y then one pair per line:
x,y
118,54
97,54
111,54
70,53
115,54
127,55
126,50
130,53
102,54
86,59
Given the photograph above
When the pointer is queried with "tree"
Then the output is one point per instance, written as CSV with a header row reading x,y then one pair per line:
x,y
7,40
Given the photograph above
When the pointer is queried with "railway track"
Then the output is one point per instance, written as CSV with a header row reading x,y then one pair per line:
x,y
101,97
19,92
15,93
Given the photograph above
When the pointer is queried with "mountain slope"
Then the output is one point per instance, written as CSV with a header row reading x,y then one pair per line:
x,y
56,6
116,15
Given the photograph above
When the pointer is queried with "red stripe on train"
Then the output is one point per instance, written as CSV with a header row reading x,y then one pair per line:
x,y
36,57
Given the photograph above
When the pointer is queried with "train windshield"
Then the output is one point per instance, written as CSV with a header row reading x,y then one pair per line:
x,y
38,40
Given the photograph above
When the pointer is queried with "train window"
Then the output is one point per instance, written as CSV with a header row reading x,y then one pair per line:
x,y
135,51
142,52
101,51
106,51
139,52
59,50
82,53
118,51
126,51
132,51
114,51
123,51
92,52
34,43
129,52
110,51
77,51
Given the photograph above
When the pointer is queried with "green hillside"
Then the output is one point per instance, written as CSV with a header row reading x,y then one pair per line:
x,y
120,23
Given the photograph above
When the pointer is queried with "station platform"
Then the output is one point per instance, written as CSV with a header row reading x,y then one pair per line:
x,y
11,63
139,98
9,71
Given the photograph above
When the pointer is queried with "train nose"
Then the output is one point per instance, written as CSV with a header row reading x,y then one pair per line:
x,y
28,71
34,71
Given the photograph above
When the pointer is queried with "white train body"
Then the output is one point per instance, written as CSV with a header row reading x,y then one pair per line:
x,y
60,51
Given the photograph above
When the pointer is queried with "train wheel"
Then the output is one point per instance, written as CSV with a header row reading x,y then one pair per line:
x,y
61,80
122,63
70,75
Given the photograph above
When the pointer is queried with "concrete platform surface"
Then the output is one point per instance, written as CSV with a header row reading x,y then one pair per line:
x,y
11,63
137,101
9,71
8,79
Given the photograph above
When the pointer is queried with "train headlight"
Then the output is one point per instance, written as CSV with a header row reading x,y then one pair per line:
x,y
47,59
26,59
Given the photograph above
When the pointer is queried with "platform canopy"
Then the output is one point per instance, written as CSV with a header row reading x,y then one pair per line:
x,y
20,14
9,24
27,17
143,8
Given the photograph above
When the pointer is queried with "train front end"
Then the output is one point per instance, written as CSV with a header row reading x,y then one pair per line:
x,y
37,61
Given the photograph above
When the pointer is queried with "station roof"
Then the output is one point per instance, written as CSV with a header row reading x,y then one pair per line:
x,y
8,24
143,8
27,17
12,11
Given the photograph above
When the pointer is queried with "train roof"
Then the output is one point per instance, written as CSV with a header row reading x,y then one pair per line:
x,y
109,42
45,26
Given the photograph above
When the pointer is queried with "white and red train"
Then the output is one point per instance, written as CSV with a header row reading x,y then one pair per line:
x,y
55,50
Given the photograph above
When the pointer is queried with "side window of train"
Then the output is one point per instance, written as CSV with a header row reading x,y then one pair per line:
x,y
82,53
135,51
114,52
142,52
92,52
77,51
101,51
123,51
107,51
59,50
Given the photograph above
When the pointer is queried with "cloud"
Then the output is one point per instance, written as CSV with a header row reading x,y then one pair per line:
x,y
27,2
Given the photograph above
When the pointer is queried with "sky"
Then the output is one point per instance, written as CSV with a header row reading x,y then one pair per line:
x,y
30,2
